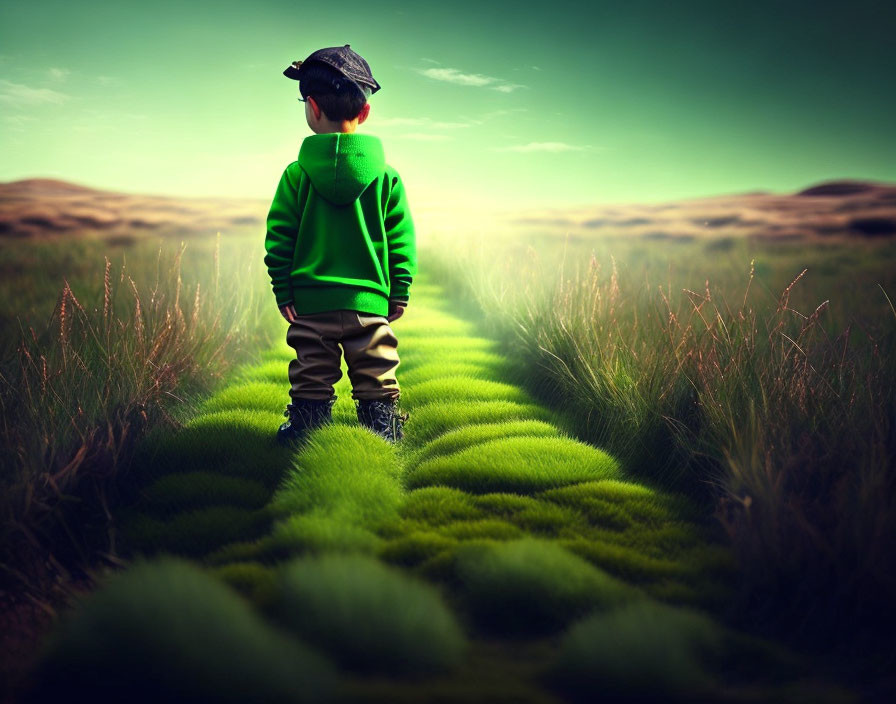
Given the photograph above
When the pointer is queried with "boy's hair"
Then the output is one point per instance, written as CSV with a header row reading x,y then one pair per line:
x,y
339,97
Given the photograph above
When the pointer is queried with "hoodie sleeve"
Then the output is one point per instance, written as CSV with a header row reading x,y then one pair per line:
x,y
401,240
280,242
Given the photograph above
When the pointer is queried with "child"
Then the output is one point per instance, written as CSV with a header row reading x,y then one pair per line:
x,y
341,252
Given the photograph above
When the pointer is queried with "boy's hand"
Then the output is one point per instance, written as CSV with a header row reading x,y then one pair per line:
x,y
289,312
396,310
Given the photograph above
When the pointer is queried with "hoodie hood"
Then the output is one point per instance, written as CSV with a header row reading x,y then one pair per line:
x,y
342,164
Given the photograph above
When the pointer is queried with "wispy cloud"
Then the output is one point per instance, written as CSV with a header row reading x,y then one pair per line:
x,y
492,114
20,95
478,80
453,75
508,87
59,74
552,147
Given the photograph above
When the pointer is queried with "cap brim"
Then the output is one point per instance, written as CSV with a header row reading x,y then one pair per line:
x,y
292,72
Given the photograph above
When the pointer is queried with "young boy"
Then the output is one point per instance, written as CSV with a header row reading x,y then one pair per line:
x,y
341,252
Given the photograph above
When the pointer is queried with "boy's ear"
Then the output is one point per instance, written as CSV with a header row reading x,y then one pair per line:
x,y
315,107
365,111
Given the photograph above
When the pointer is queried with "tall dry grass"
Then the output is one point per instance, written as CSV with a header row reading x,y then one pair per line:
x,y
85,386
783,419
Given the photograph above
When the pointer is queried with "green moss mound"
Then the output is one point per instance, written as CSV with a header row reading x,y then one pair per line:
x,y
668,539
420,373
642,651
255,395
449,345
236,443
533,515
416,356
464,388
469,435
369,616
273,371
619,504
429,421
417,547
504,504
516,464
252,579
320,531
166,631
192,533
531,586
313,533
484,528
178,492
626,562
347,472
437,505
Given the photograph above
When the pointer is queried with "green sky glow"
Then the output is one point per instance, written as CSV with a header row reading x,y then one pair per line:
x,y
568,103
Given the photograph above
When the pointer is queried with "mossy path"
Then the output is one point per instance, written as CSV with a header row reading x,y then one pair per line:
x,y
487,557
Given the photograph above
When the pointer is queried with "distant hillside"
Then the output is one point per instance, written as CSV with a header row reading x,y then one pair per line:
x,y
842,208
41,207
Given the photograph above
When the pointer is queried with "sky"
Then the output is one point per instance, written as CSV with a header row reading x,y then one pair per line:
x,y
501,105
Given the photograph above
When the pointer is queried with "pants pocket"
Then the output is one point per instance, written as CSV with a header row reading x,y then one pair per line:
x,y
366,319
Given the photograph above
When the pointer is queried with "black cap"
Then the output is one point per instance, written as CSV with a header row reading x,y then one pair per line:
x,y
345,61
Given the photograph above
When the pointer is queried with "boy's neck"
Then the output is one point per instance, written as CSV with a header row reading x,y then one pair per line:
x,y
321,124
346,127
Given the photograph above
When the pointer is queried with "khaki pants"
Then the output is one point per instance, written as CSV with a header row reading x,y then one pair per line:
x,y
371,354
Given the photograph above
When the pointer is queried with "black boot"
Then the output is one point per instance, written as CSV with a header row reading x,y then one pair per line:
x,y
304,415
382,417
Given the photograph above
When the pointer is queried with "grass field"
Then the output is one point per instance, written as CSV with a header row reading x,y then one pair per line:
x,y
755,376
541,533
101,342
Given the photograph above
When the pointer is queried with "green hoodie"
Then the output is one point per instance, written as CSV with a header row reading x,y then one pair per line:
x,y
339,232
